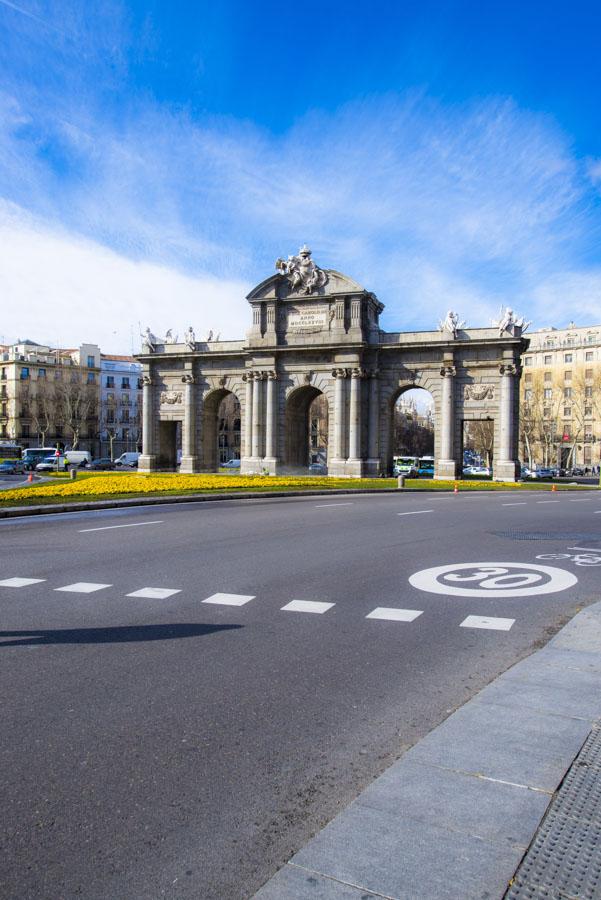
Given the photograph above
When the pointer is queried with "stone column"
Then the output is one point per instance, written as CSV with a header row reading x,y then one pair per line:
x,y
147,460
271,417
248,378
339,400
505,466
355,415
374,416
189,461
445,464
257,415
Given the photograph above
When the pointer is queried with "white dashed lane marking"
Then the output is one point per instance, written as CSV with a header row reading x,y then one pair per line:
x,y
518,503
548,501
415,512
109,527
83,587
323,505
392,614
495,624
152,593
229,599
20,582
307,606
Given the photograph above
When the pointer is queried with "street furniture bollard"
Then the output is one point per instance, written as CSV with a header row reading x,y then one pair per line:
x,y
401,482
72,474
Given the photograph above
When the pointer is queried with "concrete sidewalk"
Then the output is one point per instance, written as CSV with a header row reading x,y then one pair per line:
x,y
454,817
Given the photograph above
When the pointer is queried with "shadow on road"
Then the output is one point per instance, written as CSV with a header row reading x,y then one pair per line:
x,y
118,634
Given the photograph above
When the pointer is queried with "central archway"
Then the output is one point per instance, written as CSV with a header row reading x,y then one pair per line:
x,y
306,428
412,429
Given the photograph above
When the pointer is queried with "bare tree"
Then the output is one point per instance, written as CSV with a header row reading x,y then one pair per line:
x,y
109,424
76,402
480,437
44,410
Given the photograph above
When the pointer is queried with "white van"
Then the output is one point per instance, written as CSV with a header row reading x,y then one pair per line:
x,y
128,459
78,457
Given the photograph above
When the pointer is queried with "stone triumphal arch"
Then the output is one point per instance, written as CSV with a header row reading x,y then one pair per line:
x,y
315,331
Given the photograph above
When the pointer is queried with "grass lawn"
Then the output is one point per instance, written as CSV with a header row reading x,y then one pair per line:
x,y
90,486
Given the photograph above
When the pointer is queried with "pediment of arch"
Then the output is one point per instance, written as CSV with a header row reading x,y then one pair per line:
x,y
278,287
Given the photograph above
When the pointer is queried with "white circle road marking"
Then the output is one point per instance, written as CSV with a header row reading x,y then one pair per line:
x,y
493,579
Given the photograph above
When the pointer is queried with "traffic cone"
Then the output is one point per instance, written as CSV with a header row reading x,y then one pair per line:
x,y
554,488
456,488
30,477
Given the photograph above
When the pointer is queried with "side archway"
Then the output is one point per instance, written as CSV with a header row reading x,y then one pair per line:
x,y
221,429
306,427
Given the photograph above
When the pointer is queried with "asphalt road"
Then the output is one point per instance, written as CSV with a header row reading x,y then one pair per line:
x,y
168,747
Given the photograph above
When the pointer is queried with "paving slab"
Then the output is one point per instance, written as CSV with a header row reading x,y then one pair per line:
x,y
565,693
294,883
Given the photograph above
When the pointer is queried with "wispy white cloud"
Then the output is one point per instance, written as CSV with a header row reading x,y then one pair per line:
x,y
61,289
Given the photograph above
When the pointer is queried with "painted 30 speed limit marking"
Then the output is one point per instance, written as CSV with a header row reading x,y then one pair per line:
x,y
493,579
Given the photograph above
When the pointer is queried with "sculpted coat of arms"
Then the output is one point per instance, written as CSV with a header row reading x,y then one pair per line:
x,y
303,275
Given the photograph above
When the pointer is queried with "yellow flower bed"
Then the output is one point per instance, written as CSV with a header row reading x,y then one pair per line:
x,y
111,485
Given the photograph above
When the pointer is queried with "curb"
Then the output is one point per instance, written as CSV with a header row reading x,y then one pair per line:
x,y
456,814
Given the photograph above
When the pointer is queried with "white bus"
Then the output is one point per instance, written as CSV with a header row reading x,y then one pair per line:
x,y
33,455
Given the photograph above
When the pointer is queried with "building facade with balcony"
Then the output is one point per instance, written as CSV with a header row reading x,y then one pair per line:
x,y
560,418
120,405
49,396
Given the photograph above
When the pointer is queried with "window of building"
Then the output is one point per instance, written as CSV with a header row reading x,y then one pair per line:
x,y
588,391
548,360
547,412
528,361
567,434
41,373
567,357
567,392
110,381
567,375
24,373
527,395
591,338
110,398
528,377
588,436
587,459
125,415
110,416
140,384
125,399
589,356
3,375
91,378
548,393
548,376
58,375
588,373
588,410
567,412
125,383
91,362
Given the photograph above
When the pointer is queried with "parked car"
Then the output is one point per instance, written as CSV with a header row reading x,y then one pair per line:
x,y
104,463
11,467
318,469
231,464
51,464
541,473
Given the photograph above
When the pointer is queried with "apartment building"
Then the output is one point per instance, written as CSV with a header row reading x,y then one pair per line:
x,y
49,396
120,420
560,410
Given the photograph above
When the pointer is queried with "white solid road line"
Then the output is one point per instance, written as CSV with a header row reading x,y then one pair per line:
x,y
415,512
131,525
323,505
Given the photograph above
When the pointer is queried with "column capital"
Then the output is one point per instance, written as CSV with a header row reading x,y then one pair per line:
x,y
341,373
509,369
358,373
188,378
248,376
147,380
448,371
272,376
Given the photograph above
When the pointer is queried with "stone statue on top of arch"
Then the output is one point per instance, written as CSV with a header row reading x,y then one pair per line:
x,y
303,275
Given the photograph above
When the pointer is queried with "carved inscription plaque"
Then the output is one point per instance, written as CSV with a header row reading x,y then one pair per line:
x,y
313,319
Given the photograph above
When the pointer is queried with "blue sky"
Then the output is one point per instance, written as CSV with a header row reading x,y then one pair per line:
x,y
156,158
